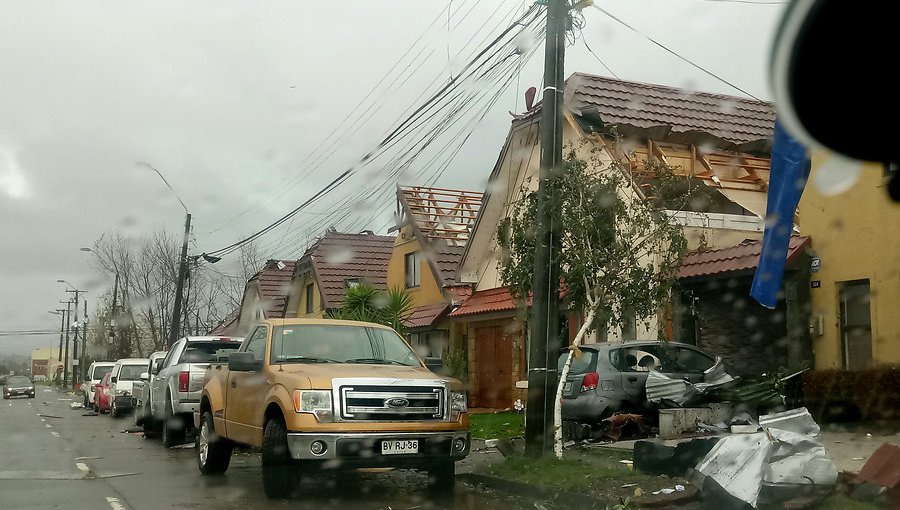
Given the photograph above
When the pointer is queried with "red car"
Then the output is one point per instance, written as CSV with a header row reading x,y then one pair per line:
x,y
101,395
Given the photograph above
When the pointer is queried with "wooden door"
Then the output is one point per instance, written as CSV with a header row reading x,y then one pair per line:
x,y
494,360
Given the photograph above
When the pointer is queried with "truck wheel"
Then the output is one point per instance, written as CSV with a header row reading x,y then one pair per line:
x,y
213,451
172,428
442,477
114,411
278,469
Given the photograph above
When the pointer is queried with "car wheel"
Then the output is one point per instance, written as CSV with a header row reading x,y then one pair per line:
x,y
442,476
172,429
279,471
113,410
213,451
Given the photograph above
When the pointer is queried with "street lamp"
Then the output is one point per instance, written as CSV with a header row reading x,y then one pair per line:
x,y
182,261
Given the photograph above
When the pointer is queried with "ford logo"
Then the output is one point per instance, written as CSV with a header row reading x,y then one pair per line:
x,y
396,402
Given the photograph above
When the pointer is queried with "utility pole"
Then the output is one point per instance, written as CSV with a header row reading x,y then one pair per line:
x,y
65,374
62,329
112,324
179,287
75,337
544,344
82,365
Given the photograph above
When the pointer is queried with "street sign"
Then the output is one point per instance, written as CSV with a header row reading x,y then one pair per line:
x,y
816,264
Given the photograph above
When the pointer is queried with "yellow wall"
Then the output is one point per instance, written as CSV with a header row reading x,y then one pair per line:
x,y
856,237
301,284
428,292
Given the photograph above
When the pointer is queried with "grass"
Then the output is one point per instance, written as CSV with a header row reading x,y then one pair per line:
x,y
497,425
597,473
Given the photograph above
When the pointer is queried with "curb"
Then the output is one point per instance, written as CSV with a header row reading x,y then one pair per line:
x,y
569,499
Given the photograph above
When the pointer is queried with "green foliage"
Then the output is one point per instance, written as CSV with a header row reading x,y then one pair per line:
x,y
618,252
367,304
456,362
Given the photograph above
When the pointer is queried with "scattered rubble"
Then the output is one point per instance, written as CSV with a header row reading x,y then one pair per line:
x,y
879,479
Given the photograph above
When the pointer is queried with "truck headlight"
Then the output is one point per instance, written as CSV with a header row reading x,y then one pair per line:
x,y
458,403
317,402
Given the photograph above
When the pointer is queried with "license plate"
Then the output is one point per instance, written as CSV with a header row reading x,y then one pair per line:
x,y
395,447
567,388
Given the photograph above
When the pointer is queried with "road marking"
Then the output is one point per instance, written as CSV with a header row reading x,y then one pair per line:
x,y
43,420
55,434
114,503
48,425
82,466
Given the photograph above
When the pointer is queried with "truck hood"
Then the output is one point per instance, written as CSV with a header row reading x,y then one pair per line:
x,y
320,375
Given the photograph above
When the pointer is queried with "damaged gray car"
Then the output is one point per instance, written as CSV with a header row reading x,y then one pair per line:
x,y
611,377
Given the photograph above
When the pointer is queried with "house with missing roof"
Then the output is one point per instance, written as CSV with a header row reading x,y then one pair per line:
x,y
332,265
432,233
719,144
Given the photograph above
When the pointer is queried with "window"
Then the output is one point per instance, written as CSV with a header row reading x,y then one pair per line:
x,y
130,372
856,325
257,343
208,352
582,365
310,293
412,266
99,372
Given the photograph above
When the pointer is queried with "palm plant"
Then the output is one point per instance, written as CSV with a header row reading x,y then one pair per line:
x,y
368,304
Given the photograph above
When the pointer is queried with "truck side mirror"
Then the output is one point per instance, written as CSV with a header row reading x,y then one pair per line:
x,y
244,362
113,379
145,376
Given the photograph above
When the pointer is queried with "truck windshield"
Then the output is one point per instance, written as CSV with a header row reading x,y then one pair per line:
x,y
207,352
131,372
99,372
340,344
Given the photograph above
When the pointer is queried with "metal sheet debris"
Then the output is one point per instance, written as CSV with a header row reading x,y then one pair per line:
x,y
795,420
661,387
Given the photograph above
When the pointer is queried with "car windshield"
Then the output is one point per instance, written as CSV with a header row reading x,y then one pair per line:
x,y
18,380
131,372
100,371
340,344
206,352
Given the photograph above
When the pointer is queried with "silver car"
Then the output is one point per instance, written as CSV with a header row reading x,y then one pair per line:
x,y
611,377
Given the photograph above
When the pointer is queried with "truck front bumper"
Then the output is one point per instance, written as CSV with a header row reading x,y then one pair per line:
x,y
349,450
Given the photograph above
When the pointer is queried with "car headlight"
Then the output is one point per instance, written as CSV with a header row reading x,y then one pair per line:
x,y
317,402
459,403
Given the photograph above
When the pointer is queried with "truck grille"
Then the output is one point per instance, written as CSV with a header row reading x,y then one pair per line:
x,y
392,403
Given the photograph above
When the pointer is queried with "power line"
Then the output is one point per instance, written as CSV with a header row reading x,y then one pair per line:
x,y
469,72
599,59
710,73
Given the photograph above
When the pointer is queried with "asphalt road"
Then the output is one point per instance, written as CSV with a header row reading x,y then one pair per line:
x,y
52,456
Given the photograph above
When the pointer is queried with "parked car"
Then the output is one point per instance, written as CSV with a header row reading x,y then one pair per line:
x,y
142,393
121,381
318,394
101,394
611,376
175,391
18,386
95,373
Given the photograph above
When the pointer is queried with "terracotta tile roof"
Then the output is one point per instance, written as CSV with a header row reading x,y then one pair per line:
x,y
337,257
426,315
273,283
740,258
446,260
486,301
227,325
734,119
459,293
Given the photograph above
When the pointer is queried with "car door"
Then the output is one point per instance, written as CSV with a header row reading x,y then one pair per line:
x,y
245,391
158,383
632,376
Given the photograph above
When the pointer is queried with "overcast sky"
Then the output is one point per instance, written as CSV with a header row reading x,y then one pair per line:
x,y
228,99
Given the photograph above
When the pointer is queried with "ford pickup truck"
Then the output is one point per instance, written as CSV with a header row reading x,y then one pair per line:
x,y
319,394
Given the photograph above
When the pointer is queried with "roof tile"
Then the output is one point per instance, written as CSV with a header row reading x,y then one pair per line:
x,y
273,284
337,257
743,257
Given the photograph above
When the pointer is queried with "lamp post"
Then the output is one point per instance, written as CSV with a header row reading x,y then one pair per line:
x,y
182,261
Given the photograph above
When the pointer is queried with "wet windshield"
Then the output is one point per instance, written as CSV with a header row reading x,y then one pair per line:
x,y
340,344
18,381
99,372
131,372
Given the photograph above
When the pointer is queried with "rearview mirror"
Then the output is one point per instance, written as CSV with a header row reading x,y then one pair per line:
x,y
145,376
244,362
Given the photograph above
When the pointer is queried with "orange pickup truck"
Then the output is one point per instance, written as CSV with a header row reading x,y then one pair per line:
x,y
318,394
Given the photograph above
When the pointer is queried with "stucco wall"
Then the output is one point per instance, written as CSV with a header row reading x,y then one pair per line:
x,y
428,292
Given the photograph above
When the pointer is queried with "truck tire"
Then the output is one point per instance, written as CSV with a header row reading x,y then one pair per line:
x,y
213,451
114,411
172,426
278,469
442,477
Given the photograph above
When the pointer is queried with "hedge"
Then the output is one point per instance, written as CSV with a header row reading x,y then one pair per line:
x,y
841,395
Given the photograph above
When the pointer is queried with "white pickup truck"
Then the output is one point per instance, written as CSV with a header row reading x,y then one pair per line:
x,y
175,389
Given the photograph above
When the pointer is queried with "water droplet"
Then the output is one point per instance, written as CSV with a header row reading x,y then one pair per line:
x,y
837,175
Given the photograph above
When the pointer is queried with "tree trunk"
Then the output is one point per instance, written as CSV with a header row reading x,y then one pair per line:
x,y
557,403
